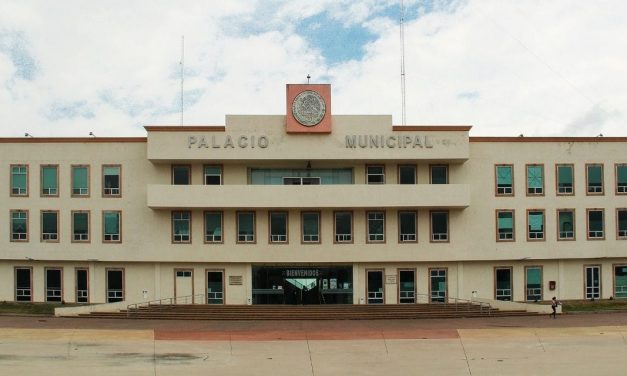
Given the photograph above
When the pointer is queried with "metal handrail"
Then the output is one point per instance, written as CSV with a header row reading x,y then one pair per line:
x,y
448,300
187,299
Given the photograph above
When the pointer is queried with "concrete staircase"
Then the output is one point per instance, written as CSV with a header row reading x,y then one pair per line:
x,y
306,312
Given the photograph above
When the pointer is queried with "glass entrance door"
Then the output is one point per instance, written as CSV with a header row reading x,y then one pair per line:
x,y
115,285
53,285
407,286
503,283
593,282
215,287
437,285
375,286
23,285
620,282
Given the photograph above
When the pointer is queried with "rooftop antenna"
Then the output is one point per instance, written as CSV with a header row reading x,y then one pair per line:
x,y
402,17
182,63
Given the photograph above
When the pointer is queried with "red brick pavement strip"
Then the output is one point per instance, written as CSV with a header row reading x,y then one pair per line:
x,y
332,329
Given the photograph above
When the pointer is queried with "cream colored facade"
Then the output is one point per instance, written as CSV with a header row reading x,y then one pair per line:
x,y
469,256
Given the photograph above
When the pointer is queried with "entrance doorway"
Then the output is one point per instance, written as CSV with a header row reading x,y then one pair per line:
x,y
53,285
375,286
115,285
23,285
503,278
593,282
407,286
215,287
302,285
184,286
82,285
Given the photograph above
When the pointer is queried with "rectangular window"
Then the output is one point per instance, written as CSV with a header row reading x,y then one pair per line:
x,y
439,227
407,286
620,281
594,179
437,286
245,227
111,180
301,176
311,227
407,174
503,286
504,180
213,175
181,174
595,224
565,179
112,223
535,180
23,285
376,227
301,180
115,285
54,290
375,174
50,180
407,227
343,227
80,181
19,225
533,281
19,180
592,281
566,224
621,223
49,226
80,226
82,285
438,174
535,224
505,225
621,178
181,226
213,227
278,227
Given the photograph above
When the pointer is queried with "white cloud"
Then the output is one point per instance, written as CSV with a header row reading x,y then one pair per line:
x,y
507,67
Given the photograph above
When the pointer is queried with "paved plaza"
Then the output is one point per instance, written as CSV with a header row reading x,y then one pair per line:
x,y
570,345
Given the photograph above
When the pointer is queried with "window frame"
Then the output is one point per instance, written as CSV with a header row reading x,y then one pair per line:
x,y
368,174
398,173
528,230
204,173
302,227
557,177
619,190
557,218
496,180
41,222
446,280
15,287
110,241
498,232
189,173
41,180
111,195
527,267
588,211
76,290
11,225
602,192
60,269
368,239
173,220
614,266
287,227
27,193
204,227
78,195
254,227
432,166
618,230
106,286
511,282
527,188
352,233
448,226
398,216
72,238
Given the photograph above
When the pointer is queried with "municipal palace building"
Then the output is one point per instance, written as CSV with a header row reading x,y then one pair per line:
x,y
307,207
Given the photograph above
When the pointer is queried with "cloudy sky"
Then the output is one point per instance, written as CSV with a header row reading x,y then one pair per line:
x,y
542,68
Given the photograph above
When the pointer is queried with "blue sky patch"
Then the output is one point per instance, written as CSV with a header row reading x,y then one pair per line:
x,y
69,110
15,46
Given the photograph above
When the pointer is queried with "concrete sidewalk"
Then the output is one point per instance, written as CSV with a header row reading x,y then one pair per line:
x,y
569,345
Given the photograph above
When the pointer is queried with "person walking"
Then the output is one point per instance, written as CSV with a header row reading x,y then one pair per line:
x,y
554,304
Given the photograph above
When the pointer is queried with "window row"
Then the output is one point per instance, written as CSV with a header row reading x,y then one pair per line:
x,y
80,180
309,226
81,226
564,179
565,219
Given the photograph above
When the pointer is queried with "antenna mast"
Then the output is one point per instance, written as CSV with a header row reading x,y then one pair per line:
x,y
403,116
182,63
